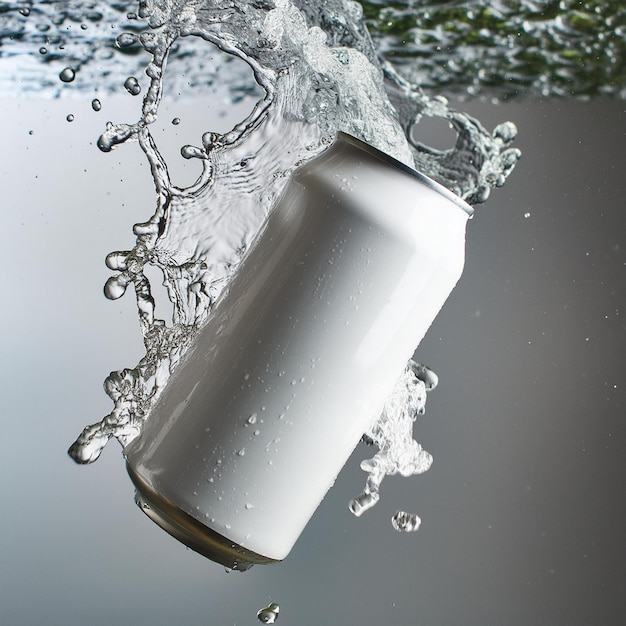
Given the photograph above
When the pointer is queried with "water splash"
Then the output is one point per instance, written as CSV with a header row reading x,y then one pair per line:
x,y
318,72
529,47
398,452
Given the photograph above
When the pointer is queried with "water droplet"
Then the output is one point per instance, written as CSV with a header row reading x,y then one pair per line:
x,y
96,105
252,419
249,506
527,215
70,117
362,503
125,40
43,50
115,287
176,121
83,26
132,86
269,614
241,452
131,16
405,522
67,75
25,11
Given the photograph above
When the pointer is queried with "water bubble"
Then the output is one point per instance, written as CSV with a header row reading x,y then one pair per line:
x,y
527,215
252,419
43,50
405,522
269,614
249,506
96,105
70,117
132,86
25,11
131,15
241,452
176,121
67,75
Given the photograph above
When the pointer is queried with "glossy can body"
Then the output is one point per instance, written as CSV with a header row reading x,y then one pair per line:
x,y
299,355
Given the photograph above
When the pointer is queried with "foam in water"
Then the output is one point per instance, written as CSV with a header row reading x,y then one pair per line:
x,y
319,73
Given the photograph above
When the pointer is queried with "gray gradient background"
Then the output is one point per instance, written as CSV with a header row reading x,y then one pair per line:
x,y
524,512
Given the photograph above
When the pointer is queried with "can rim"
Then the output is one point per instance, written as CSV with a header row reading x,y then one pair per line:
x,y
190,531
426,180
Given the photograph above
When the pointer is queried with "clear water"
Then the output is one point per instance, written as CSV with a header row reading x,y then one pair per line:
x,y
317,72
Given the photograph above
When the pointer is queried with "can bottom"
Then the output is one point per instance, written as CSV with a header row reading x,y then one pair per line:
x,y
190,531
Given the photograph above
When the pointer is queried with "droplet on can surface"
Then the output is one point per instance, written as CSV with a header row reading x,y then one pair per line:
x,y
96,105
269,614
132,86
67,75
405,522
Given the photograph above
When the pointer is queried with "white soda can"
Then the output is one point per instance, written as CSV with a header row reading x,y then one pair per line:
x,y
299,355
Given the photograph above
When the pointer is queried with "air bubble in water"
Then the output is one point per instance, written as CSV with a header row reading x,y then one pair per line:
x,y
70,117
405,522
176,121
269,614
67,75
43,50
132,86
96,105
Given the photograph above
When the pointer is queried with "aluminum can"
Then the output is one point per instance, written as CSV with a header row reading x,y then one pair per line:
x,y
299,355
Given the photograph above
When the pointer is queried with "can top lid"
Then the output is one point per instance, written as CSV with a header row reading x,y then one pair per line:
x,y
426,180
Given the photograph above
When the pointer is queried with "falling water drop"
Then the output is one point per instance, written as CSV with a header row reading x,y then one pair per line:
x,y
126,40
96,105
405,522
269,614
132,86
67,75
